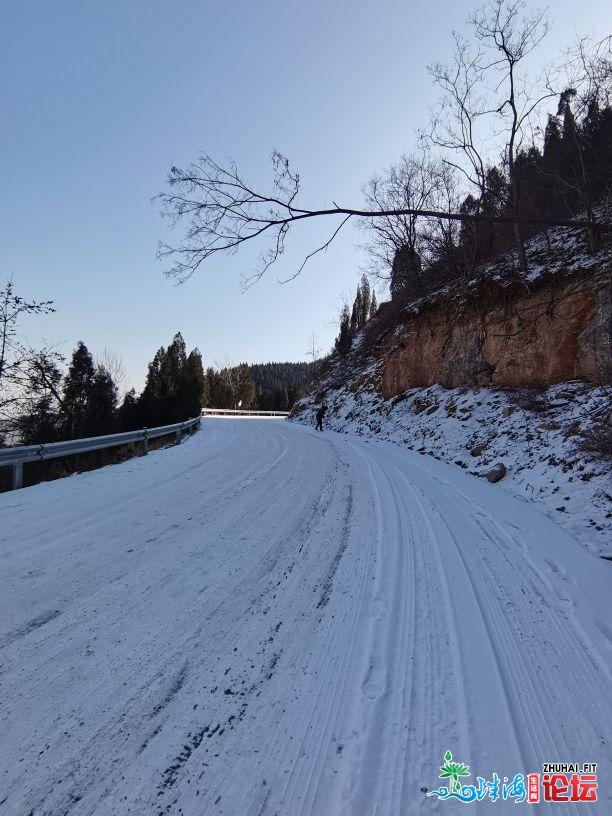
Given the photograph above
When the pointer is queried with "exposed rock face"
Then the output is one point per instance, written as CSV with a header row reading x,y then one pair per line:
x,y
506,336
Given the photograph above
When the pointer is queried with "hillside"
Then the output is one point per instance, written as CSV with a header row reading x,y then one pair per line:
x,y
498,373
275,376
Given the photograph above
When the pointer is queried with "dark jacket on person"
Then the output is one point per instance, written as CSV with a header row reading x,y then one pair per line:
x,y
320,415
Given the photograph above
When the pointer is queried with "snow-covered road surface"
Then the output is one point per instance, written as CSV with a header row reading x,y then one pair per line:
x,y
266,620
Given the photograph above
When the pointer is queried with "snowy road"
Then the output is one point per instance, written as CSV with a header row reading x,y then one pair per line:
x,y
266,620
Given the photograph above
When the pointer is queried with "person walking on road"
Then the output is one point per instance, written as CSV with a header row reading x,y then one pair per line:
x,y
320,414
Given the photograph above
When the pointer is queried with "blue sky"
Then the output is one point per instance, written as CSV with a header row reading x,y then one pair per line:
x,y
100,98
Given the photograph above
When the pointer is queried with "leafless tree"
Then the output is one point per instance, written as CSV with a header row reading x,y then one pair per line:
x,y
415,183
314,353
409,184
589,72
457,124
228,373
589,83
314,350
509,36
20,364
489,98
113,363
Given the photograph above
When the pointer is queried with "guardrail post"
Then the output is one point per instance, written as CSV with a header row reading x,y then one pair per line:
x,y
17,475
178,433
145,442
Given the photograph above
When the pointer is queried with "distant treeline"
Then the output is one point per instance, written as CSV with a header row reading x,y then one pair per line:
x,y
41,400
264,386
84,400
273,380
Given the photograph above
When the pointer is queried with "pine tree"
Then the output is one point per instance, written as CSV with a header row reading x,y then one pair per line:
x,y
552,139
176,385
172,365
100,417
373,305
281,400
210,389
406,271
76,390
344,339
171,371
150,399
130,414
366,299
191,387
354,323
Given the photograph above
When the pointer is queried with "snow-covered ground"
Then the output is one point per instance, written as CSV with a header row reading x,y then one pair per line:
x,y
544,438
270,620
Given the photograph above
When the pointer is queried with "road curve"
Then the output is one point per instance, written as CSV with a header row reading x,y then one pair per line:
x,y
270,620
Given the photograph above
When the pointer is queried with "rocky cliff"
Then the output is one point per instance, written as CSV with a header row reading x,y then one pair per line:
x,y
503,328
512,335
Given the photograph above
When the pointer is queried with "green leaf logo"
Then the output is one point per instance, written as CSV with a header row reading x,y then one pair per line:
x,y
452,771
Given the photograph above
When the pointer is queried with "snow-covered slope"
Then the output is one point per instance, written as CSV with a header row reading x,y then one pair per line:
x,y
545,438
557,253
269,620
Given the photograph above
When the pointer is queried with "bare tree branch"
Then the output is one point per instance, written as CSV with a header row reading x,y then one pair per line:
x,y
222,212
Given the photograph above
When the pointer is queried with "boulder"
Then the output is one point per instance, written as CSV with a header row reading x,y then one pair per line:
x,y
497,473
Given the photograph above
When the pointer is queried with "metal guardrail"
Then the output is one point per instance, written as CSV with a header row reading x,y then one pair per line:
x,y
237,412
19,454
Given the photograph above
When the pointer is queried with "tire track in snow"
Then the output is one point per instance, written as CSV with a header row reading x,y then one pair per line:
x,y
544,720
30,626
317,725
311,526
387,675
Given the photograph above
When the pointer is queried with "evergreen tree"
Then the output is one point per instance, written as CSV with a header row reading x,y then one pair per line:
x,y
150,399
101,409
245,388
76,390
206,392
191,385
354,322
281,400
373,305
266,401
175,385
552,139
405,272
366,300
171,371
344,339
172,365
130,413
211,389
218,388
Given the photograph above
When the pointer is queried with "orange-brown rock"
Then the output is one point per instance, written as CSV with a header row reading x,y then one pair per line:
x,y
505,336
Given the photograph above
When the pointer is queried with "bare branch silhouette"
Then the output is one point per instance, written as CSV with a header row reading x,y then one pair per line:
x,y
222,212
